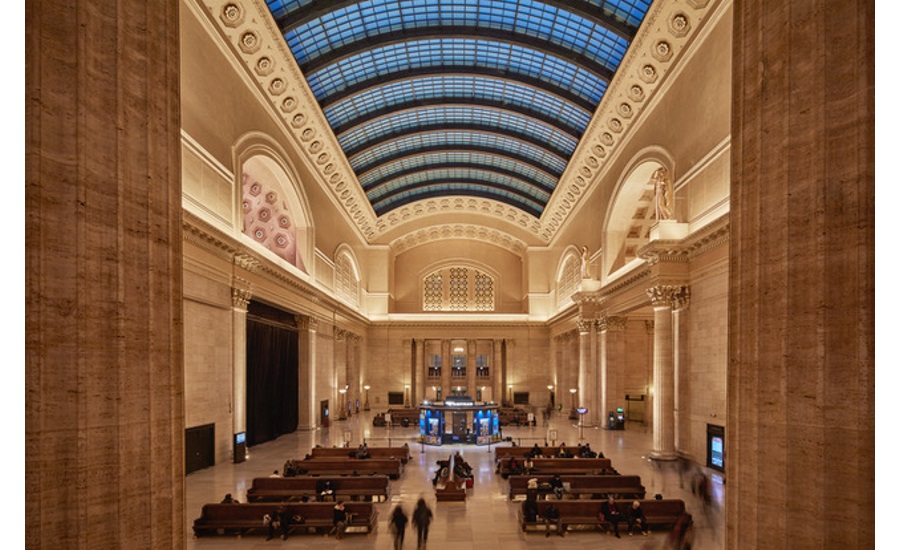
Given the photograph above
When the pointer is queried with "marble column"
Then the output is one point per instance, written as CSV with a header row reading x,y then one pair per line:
x,y
497,387
306,390
801,325
612,364
471,381
419,372
585,378
104,360
446,367
680,353
240,298
662,298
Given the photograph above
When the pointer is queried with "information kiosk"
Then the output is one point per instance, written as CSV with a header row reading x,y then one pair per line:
x,y
459,419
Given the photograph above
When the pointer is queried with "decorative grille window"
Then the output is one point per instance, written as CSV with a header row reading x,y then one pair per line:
x,y
346,283
569,281
453,289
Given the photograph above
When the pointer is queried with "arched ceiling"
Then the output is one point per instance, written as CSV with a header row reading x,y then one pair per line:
x,y
464,98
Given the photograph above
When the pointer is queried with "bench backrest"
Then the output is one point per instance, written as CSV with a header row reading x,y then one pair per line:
x,y
602,484
658,512
254,511
307,483
401,453
521,451
562,465
346,466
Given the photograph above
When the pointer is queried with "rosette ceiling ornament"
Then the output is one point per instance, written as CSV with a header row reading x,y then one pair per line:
x,y
471,98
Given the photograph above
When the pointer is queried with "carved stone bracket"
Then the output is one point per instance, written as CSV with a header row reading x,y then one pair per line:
x,y
246,261
241,292
650,326
671,296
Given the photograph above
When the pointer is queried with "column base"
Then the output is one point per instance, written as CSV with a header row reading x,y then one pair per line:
x,y
663,455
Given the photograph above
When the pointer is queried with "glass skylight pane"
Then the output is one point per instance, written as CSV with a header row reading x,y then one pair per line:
x,y
455,115
458,87
460,54
362,21
472,140
488,161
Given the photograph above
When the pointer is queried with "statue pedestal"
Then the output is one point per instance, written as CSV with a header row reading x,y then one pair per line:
x,y
589,285
668,230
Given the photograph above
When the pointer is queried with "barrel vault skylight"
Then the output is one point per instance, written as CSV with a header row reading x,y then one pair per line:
x,y
432,98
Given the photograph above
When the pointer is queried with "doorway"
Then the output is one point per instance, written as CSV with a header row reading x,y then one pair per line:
x,y
199,447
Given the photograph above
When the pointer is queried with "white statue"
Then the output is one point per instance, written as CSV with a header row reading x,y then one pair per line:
x,y
663,192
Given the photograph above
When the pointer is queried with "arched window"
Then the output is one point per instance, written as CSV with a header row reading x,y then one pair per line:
x,y
346,278
569,278
458,288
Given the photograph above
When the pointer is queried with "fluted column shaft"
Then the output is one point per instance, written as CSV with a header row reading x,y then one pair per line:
x,y
585,378
306,390
801,374
663,385
471,381
240,298
104,375
495,371
446,367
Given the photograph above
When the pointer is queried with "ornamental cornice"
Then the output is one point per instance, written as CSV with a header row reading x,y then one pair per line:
x,y
458,231
711,236
664,35
462,205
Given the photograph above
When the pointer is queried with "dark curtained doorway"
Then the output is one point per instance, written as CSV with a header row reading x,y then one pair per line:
x,y
272,373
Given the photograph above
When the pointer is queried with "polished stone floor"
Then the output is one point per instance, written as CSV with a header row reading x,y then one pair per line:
x,y
486,519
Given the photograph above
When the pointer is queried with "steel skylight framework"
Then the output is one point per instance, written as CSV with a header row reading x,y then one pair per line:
x,y
478,98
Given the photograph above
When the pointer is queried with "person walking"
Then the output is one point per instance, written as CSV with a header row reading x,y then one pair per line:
x,y
398,526
422,520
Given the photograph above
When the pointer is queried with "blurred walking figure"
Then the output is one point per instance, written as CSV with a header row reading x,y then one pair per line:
x,y
398,526
421,518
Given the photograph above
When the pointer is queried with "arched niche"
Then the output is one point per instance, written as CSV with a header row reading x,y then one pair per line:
x,y
631,212
273,211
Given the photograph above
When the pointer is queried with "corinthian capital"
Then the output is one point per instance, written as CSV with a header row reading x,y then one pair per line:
x,y
241,292
612,323
584,325
672,296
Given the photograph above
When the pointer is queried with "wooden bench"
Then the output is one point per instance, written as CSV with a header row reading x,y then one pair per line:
x,y
563,466
451,488
661,514
401,453
247,518
579,485
295,489
520,452
391,467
